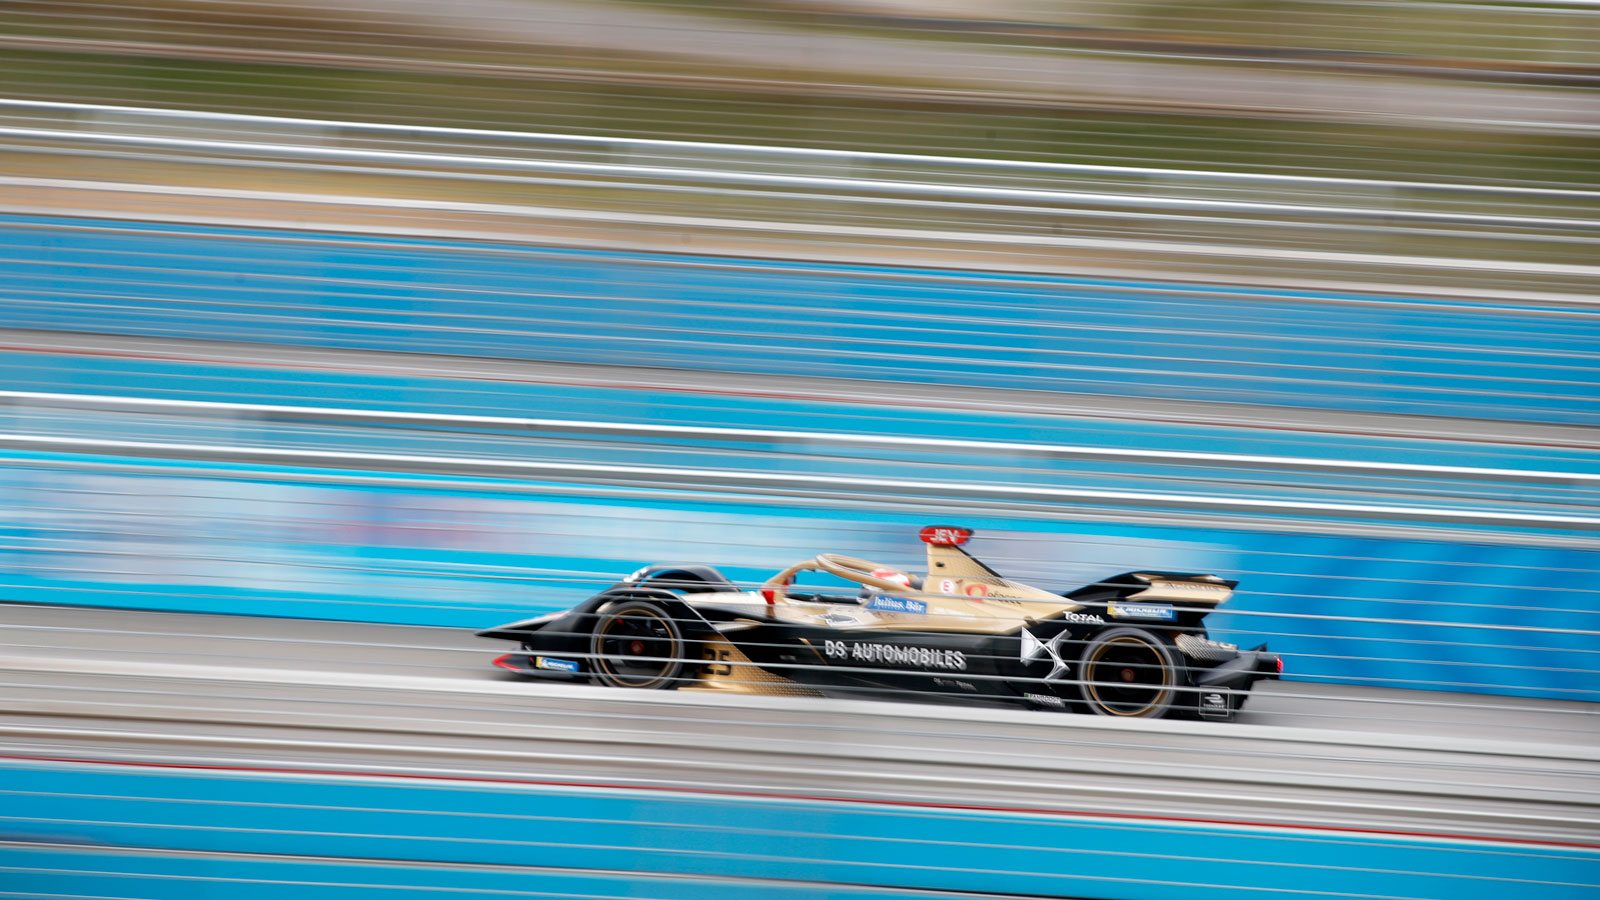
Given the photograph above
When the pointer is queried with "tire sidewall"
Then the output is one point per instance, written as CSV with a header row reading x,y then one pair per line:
x,y
670,677
1165,705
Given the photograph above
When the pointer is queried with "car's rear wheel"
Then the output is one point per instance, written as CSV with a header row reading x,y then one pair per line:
x,y
637,645
1129,672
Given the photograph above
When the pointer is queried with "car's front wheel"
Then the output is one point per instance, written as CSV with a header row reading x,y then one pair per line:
x,y
638,645
1129,672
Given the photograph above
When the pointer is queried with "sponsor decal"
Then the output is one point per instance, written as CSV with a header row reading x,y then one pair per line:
x,y
947,586
1081,619
977,590
1141,611
1046,700
1191,587
558,665
944,535
1214,705
1032,648
894,655
839,618
718,658
885,603
967,686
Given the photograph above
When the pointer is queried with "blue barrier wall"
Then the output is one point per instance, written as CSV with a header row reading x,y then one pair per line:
x,y
1185,342
610,841
469,554
297,383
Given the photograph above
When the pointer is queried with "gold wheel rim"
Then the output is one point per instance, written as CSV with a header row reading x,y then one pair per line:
x,y
1090,687
603,659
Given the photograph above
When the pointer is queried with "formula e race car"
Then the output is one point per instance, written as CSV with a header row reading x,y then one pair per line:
x,y
1133,645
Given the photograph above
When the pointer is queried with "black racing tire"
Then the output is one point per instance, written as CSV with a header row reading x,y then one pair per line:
x,y
1130,673
638,645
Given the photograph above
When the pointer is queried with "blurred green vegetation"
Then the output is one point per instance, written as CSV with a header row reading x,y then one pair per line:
x,y
1516,31
1510,31
953,127
345,63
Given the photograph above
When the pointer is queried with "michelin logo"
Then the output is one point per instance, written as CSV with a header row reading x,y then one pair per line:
x,y
1189,587
1132,611
558,665
884,603
893,655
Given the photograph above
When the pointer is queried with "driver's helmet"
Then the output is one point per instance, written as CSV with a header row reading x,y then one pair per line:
x,y
900,578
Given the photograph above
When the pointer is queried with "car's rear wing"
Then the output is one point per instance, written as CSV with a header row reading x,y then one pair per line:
x,y
952,570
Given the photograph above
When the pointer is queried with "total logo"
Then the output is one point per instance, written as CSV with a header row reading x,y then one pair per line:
x,y
1081,619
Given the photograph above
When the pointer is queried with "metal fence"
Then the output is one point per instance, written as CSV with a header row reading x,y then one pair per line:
x,y
1417,539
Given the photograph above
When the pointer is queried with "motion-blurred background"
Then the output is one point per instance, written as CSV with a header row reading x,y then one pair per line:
x,y
383,321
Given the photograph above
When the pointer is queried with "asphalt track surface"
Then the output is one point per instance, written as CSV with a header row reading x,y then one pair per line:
x,y
233,694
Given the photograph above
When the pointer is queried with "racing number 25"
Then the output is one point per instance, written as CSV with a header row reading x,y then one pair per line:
x,y
717,661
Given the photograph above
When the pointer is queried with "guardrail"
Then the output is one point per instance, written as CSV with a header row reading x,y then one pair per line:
x,y
1356,226
706,161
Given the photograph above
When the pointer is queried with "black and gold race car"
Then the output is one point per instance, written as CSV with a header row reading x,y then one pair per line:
x,y
1133,645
